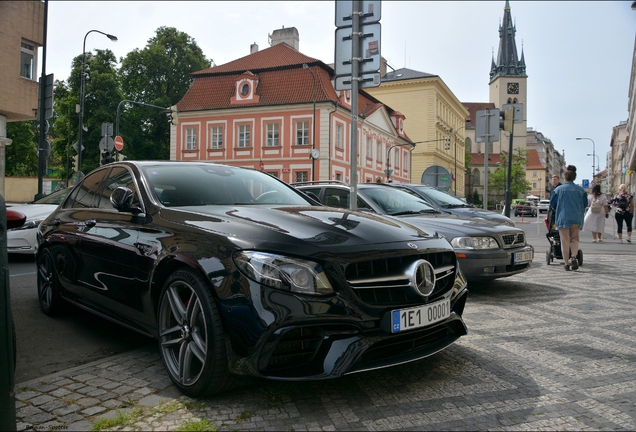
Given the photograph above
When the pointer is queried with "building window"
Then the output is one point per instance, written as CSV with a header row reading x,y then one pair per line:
x,y
339,177
397,159
216,137
302,176
244,135
27,61
191,139
302,133
379,152
369,147
405,161
272,135
339,136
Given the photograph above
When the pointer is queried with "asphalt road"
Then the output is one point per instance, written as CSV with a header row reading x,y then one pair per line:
x,y
47,345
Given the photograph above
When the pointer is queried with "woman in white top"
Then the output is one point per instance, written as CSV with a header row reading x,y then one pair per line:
x,y
595,221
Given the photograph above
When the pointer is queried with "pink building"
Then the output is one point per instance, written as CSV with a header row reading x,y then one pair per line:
x,y
277,110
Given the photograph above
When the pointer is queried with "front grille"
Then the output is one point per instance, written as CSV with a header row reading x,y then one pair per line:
x,y
382,282
513,240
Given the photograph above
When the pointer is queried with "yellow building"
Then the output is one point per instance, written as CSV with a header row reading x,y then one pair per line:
x,y
432,113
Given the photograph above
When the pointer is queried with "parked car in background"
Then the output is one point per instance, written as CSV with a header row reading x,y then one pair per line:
x,y
22,240
448,203
485,249
236,272
543,206
526,208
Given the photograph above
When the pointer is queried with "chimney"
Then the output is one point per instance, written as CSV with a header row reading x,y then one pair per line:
x,y
253,48
286,35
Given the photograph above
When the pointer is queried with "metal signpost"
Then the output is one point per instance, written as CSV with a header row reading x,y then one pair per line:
x,y
357,63
487,131
513,114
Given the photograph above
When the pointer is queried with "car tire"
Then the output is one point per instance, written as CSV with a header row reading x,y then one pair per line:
x,y
51,302
192,341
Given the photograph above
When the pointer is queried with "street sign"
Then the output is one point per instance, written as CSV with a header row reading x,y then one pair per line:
x,y
76,147
518,107
119,143
487,125
106,144
585,183
365,81
369,49
371,12
107,129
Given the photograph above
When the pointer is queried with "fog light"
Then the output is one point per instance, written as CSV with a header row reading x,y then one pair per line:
x,y
489,269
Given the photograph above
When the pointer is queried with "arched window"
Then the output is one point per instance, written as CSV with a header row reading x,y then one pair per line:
x,y
476,176
468,145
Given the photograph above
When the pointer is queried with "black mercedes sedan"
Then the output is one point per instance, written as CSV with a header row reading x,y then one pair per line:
x,y
235,272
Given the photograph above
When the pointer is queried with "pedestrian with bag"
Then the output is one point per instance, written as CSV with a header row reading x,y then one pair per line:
x,y
597,212
569,201
624,204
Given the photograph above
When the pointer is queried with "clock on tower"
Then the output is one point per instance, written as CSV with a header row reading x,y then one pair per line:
x,y
513,88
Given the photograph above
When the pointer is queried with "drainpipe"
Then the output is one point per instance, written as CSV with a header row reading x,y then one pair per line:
x,y
335,108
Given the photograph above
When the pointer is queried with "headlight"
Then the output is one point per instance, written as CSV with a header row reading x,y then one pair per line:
x,y
290,274
29,224
474,243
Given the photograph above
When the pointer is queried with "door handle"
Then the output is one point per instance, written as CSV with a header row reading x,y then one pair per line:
x,y
90,223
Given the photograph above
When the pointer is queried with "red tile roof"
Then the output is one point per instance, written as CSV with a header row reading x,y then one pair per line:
x,y
478,159
533,160
472,108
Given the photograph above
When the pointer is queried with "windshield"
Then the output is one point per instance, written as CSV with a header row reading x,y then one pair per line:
x,y
200,185
54,198
397,202
442,198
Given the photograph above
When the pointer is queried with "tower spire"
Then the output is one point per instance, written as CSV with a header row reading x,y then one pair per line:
x,y
508,63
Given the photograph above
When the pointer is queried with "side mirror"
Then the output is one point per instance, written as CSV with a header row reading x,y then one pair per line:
x,y
121,199
15,219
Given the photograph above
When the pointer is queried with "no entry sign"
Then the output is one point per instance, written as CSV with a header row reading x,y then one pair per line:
x,y
119,143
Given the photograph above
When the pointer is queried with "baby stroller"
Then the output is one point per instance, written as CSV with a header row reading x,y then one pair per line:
x,y
555,240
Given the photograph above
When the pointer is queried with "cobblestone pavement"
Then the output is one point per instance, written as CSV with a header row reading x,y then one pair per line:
x,y
546,350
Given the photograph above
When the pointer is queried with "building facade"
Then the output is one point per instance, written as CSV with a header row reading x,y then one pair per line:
x,y
434,114
277,110
21,35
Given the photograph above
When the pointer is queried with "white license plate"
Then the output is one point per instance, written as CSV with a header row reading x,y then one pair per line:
x,y
525,256
421,316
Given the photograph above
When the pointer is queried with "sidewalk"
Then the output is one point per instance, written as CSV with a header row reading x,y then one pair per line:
x,y
546,350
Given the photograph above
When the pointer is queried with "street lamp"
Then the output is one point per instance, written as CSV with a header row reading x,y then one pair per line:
x,y
455,173
313,125
593,153
82,83
388,161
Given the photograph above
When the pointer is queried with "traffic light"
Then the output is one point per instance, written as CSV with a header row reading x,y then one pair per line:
x,y
447,143
507,119
172,117
76,163
105,158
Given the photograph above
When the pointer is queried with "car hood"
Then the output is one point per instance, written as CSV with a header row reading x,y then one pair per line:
x,y
35,211
456,226
299,229
480,213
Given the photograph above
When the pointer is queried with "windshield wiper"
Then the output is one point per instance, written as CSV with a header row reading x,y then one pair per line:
x,y
456,205
408,212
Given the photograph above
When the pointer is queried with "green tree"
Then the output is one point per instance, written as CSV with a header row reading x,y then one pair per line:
x,y
21,157
519,184
159,74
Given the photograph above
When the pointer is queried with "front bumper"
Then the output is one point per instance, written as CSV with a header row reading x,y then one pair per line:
x,y
487,264
314,339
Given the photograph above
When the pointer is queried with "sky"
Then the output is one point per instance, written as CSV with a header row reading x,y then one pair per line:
x,y
578,53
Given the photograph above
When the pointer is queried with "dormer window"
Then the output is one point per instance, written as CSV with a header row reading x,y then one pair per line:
x,y
245,90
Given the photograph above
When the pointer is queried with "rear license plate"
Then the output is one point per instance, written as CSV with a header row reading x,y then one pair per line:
x,y
421,316
522,257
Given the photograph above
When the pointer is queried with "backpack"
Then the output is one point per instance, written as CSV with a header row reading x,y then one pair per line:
x,y
596,205
622,202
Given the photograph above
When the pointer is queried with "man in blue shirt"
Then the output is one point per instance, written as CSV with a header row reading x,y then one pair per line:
x,y
569,202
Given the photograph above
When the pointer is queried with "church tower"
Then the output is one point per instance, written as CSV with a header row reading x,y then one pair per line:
x,y
508,80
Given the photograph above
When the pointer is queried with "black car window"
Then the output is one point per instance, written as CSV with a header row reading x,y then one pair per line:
x,y
87,193
337,197
118,177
